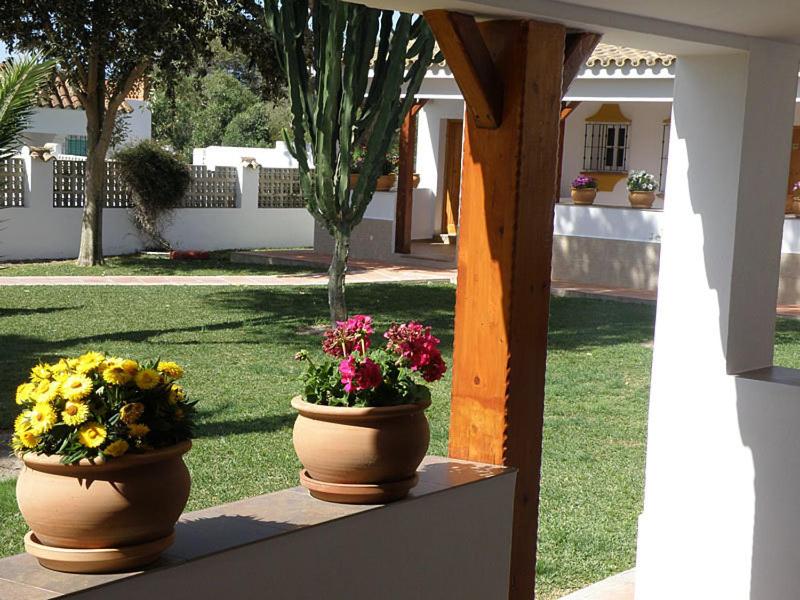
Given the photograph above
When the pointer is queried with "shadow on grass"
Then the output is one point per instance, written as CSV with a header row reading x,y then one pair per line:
x,y
44,310
260,425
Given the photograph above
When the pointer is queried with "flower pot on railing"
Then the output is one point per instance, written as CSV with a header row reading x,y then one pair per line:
x,y
642,188
361,431
102,443
384,183
415,178
583,196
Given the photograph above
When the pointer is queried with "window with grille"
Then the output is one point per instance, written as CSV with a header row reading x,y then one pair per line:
x,y
662,174
75,145
605,147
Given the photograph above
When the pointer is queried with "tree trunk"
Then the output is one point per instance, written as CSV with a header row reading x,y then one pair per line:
x,y
91,248
336,275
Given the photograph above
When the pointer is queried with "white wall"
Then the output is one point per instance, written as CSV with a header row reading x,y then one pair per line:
x,y
647,122
38,231
431,129
231,156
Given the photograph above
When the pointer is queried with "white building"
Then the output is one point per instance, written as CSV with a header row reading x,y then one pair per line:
x,y
60,119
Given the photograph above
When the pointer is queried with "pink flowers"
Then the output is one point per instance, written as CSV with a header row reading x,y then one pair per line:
x,y
356,374
349,336
360,375
414,343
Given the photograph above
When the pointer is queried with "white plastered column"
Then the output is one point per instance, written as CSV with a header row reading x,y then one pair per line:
x,y
728,164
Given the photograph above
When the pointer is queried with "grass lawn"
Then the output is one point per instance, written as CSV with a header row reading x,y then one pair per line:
x,y
148,264
237,345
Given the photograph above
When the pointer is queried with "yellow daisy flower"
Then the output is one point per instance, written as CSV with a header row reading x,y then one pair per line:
x,y
130,413
130,366
22,422
42,417
74,413
147,379
24,392
171,369
89,362
61,377
46,391
61,366
27,439
40,371
176,394
92,434
138,430
115,374
116,448
76,387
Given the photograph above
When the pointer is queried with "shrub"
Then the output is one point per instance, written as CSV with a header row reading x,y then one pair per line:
x,y
642,181
158,181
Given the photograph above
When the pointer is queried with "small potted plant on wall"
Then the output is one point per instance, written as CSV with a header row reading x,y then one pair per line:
x,y
584,189
103,479
388,175
642,188
361,431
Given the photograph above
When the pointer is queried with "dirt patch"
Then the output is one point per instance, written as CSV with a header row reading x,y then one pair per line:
x,y
10,465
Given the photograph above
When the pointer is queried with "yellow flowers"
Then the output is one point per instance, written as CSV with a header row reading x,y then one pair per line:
x,y
42,417
138,430
76,387
116,448
170,369
94,405
147,379
92,434
130,413
74,413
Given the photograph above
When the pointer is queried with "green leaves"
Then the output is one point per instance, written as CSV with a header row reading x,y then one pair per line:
x,y
21,80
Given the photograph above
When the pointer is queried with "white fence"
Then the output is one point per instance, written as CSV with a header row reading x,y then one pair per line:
x,y
226,207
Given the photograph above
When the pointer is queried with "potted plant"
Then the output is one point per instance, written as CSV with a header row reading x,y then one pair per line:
x,y
102,441
361,431
388,175
584,189
642,188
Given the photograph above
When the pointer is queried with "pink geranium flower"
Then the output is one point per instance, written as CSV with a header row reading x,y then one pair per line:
x,y
415,344
360,375
348,336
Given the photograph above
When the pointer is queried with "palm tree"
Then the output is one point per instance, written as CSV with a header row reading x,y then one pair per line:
x,y
21,79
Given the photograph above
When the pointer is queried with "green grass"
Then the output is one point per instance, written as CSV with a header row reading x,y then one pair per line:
x,y
147,264
237,346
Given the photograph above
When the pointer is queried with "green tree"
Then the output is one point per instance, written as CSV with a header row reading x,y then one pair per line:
x,y
260,125
105,48
21,80
336,107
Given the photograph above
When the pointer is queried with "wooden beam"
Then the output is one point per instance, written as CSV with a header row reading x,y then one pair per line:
x,y
465,51
577,49
504,255
405,180
566,110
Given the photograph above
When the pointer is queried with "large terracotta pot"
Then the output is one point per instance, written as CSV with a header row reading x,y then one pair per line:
x,y
583,195
360,455
384,183
121,502
641,199
792,205
415,179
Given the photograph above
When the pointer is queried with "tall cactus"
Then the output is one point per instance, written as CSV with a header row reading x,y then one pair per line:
x,y
335,107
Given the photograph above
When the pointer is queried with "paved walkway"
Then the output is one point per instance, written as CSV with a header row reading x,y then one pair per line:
x,y
616,587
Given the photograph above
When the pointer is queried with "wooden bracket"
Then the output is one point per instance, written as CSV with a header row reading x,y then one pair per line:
x,y
465,51
578,47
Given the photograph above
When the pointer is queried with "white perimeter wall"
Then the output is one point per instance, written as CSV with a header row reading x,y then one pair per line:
x,y
39,231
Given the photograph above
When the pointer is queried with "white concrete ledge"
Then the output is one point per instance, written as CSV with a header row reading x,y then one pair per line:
x,y
288,545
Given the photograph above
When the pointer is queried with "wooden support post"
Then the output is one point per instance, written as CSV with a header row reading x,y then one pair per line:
x,y
566,110
405,181
505,243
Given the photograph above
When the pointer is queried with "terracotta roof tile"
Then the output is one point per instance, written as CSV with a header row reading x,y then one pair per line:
x,y
605,55
59,94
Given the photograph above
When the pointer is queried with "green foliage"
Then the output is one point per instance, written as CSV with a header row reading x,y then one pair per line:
x,y
20,82
158,180
212,110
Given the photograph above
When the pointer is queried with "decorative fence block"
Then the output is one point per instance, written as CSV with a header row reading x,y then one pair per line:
x,y
279,188
69,183
211,189
12,181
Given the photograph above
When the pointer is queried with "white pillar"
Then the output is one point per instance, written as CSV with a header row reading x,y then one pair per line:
x,y
720,257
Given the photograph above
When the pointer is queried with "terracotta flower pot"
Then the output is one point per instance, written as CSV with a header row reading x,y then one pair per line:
x,y
131,501
384,183
641,199
583,195
415,179
360,455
